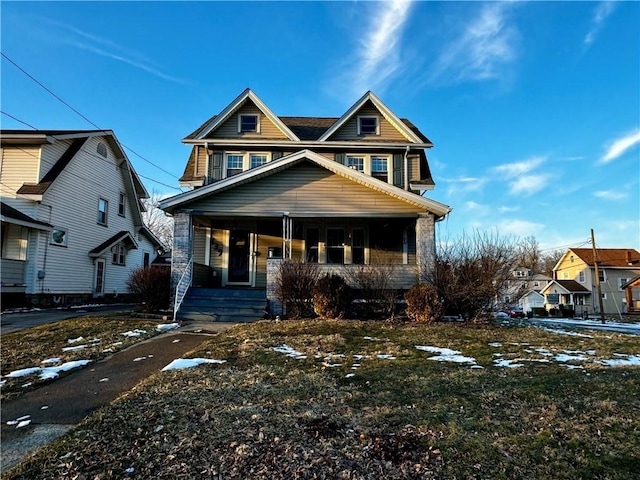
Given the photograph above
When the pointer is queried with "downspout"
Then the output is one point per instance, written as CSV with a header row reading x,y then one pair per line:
x,y
406,169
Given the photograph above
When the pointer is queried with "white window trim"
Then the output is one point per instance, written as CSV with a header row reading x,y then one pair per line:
x,y
257,130
246,159
106,212
367,163
122,202
377,118
64,243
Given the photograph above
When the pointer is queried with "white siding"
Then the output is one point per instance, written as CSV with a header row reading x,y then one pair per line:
x,y
19,166
50,154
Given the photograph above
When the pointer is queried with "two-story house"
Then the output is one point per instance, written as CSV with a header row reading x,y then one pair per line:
x,y
339,192
523,287
575,280
72,226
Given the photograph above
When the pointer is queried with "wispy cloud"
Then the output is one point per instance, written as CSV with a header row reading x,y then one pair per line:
x,y
602,11
485,46
464,184
520,176
529,184
101,46
378,56
611,194
520,228
618,147
510,170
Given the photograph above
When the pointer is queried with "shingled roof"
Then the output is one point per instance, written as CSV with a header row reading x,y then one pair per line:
x,y
609,257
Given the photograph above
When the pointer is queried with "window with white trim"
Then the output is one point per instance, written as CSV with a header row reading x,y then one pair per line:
x,y
380,168
237,162
58,237
357,163
601,275
581,277
621,282
257,159
368,125
119,254
122,204
103,211
234,164
248,123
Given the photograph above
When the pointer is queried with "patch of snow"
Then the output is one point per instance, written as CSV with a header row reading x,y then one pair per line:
x,y
44,407
133,333
71,349
544,351
564,357
50,361
375,339
23,372
631,360
181,363
495,344
289,352
103,380
18,420
446,355
75,340
332,365
349,375
507,363
139,358
116,344
53,372
107,350
384,356
177,340
2,382
167,326
27,385
361,357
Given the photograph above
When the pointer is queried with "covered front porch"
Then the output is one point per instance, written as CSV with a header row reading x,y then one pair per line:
x,y
246,251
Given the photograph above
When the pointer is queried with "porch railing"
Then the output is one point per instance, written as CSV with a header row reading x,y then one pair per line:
x,y
182,287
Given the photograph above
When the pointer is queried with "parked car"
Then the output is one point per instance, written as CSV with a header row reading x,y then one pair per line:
x,y
516,313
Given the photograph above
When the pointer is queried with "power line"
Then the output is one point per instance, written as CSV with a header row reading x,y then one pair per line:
x,y
80,114
88,153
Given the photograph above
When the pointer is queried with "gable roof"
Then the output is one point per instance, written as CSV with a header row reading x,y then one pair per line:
x,y
607,257
248,94
122,236
282,163
383,109
569,286
11,215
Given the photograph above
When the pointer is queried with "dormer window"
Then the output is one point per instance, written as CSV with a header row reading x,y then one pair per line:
x,y
368,125
248,124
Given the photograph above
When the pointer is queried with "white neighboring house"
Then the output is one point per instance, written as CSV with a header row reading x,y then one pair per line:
x,y
530,300
72,226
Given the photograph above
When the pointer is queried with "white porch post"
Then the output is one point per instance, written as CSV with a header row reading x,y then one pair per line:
x,y
425,247
182,247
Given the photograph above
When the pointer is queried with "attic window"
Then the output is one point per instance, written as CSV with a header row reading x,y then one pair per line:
x,y
248,124
368,125
102,150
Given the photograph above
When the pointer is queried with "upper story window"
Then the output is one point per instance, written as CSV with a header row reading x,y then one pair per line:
x,y
255,160
581,277
122,204
102,150
601,275
368,125
357,163
103,211
239,162
248,124
380,168
119,254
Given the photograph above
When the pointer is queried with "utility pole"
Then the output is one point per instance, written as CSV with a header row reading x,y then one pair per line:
x,y
595,263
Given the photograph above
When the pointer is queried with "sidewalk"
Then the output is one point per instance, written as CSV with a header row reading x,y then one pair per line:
x,y
54,408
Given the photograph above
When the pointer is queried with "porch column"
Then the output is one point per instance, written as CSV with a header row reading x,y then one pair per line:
x,y
182,248
425,247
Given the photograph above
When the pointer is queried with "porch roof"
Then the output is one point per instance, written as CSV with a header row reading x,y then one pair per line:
x,y
122,236
422,203
566,286
11,215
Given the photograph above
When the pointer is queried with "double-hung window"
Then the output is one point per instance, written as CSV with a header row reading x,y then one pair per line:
x,y
235,164
119,254
335,245
122,204
103,211
248,124
380,168
257,159
357,163
368,125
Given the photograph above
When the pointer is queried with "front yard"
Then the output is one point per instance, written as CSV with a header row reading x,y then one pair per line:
x,y
365,400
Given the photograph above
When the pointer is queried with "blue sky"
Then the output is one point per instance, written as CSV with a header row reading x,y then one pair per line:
x,y
533,107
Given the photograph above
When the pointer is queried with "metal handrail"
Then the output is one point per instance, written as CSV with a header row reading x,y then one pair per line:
x,y
183,286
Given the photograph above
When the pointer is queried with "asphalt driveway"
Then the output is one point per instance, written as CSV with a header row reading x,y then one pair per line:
x,y
54,408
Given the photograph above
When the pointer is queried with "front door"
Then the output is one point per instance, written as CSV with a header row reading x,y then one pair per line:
x,y
239,257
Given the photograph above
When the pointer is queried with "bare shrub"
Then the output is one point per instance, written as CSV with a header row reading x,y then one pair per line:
x,y
150,287
375,284
294,284
332,297
424,304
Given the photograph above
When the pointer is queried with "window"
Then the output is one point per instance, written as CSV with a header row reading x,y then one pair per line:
x,y
119,254
255,160
536,284
601,275
604,296
581,277
565,275
102,150
335,245
357,163
312,245
235,164
145,259
58,237
379,168
103,210
368,126
248,124
621,282
122,204
357,246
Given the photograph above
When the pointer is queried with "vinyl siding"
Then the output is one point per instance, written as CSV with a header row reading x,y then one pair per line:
x,y
349,130
19,166
229,128
201,162
71,202
303,188
50,154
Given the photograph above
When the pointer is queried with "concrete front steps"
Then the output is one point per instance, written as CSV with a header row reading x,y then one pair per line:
x,y
223,305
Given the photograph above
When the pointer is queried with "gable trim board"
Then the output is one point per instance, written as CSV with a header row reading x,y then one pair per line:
x,y
386,113
438,209
237,103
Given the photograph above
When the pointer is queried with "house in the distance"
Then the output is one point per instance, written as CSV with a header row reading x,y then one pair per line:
x,y
575,273
343,193
522,281
72,227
